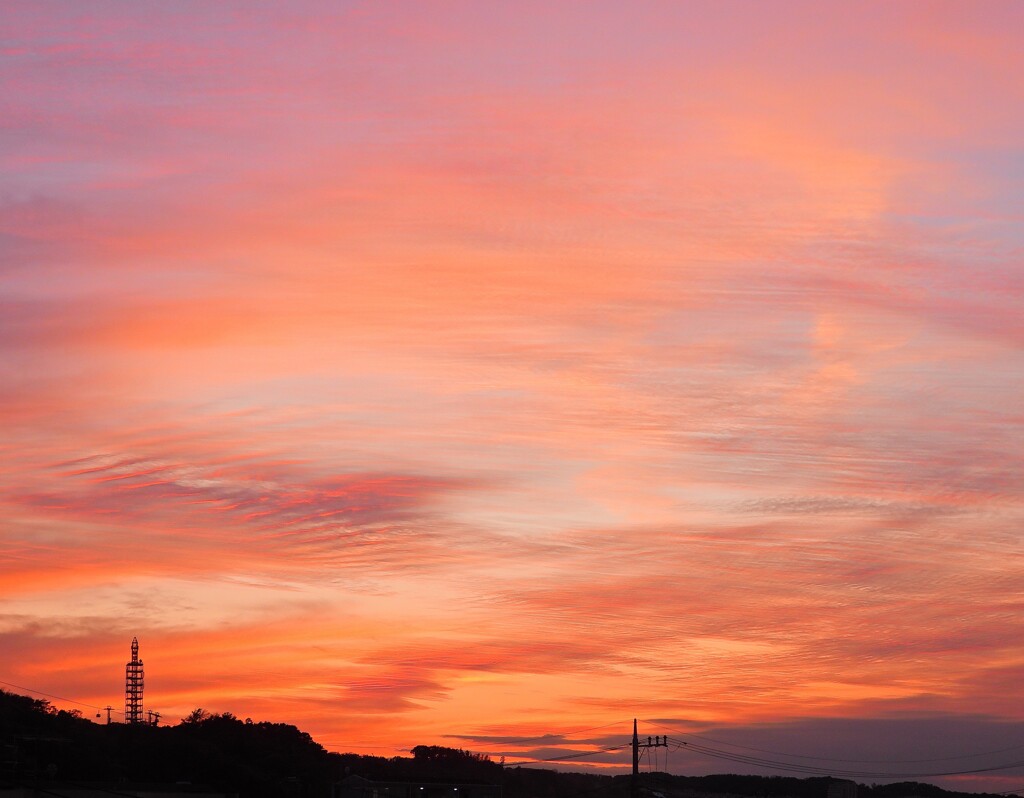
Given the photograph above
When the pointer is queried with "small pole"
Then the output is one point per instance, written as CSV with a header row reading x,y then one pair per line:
x,y
634,782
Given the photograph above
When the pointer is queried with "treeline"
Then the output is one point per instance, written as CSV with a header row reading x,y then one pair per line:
x,y
42,744
217,751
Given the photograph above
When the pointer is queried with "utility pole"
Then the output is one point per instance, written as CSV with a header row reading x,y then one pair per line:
x,y
636,758
108,708
634,784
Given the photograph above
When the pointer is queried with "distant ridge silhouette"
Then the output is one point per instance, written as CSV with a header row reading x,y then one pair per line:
x,y
47,751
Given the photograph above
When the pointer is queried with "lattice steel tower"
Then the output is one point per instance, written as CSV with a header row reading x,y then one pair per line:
x,y
133,684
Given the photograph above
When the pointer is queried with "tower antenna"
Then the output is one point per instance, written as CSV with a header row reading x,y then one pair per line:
x,y
133,685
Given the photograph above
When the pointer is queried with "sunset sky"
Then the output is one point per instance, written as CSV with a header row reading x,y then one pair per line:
x,y
463,373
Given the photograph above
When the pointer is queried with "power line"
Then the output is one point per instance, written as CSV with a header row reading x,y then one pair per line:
x,y
802,768
58,697
795,767
512,740
567,757
835,759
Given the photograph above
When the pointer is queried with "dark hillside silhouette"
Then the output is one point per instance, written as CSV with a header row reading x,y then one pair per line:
x,y
43,746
